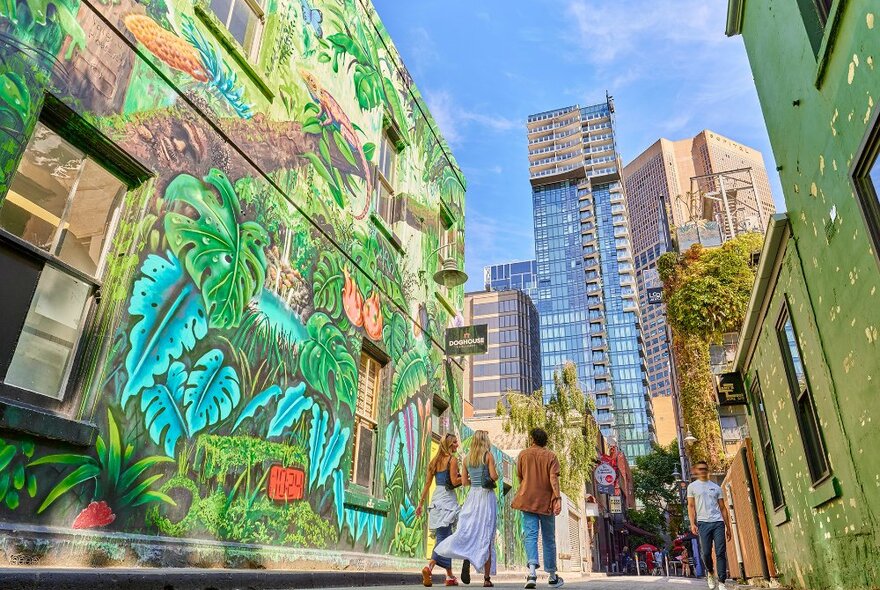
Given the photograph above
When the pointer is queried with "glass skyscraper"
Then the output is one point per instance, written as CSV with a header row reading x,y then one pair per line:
x,y
587,296
521,275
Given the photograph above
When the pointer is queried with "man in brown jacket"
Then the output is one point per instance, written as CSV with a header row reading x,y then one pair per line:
x,y
540,501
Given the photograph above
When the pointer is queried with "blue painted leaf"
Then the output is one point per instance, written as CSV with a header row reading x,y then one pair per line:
x,y
258,401
290,408
316,442
212,392
361,524
392,449
349,519
162,407
333,452
172,319
339,494
378,523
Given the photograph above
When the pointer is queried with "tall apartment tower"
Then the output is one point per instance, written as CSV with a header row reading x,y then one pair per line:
x,y
520,274
513,359
587,296
658,183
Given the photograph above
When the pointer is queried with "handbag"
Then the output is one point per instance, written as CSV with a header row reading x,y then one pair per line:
x,y
488,482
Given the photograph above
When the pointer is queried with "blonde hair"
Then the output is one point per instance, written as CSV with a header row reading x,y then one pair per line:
x,y
445,450
479,447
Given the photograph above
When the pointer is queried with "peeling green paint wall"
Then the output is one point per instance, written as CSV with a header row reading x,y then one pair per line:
x,y
817,123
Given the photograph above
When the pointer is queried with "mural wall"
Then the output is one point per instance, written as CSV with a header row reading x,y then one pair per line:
x,y
246,275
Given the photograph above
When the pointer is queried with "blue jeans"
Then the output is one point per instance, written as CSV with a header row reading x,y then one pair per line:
x,y
713,532
440,534
547,523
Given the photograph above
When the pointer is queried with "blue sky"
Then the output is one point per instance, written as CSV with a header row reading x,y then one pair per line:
x,y
485,65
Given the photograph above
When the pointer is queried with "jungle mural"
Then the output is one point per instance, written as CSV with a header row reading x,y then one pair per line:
x,y
246,276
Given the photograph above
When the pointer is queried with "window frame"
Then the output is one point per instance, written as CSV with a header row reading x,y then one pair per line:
x,y
868,195
73,129
377,356
800,396
252,49
765,440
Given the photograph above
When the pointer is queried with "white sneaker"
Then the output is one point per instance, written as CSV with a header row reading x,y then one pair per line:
x,y
712,580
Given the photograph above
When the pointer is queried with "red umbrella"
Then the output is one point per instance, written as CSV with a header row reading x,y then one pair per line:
x,y
646,547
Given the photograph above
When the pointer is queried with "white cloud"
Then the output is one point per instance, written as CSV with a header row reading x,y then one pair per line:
x,y
453,119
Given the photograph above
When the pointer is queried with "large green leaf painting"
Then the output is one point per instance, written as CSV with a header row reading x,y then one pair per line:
x,y
410,375
326,363
172,320
225,258
188,403
396,335
328,284
212,392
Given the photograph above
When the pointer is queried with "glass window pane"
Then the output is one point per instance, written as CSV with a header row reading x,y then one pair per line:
x,y
37,198
238,22
794,354
221,9
48,339
87,221
874,175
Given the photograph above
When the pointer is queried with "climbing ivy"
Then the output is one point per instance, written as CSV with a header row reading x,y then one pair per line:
x,y
707,293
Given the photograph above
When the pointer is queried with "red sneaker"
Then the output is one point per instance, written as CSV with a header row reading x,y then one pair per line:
x,y
451,581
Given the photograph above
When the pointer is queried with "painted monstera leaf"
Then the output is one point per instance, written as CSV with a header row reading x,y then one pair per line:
x,y
225,258
161,406
326,363
396,335
212,392
291,406
329,281
410,375
172,320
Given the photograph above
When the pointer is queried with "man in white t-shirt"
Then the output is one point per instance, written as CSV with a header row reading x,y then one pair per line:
x,y
710,521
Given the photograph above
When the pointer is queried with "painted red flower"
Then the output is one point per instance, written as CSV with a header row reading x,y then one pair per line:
x,y
96,514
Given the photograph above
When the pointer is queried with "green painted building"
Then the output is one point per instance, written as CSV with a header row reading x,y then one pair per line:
x,y
230,242
809,350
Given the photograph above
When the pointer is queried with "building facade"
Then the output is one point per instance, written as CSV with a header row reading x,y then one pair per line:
x,y
808,349
221,343
587,296
521,275
513,359
658,183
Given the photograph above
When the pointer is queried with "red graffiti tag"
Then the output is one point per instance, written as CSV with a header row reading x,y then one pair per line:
x,y
285,483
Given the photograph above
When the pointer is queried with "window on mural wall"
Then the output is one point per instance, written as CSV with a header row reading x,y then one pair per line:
x,y
387,206
805,407
243,19
867,180
365,423
55,224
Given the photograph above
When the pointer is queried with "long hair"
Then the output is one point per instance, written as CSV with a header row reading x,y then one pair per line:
x,y
479,447
444,451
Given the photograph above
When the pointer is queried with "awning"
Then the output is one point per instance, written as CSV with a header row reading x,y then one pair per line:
x,y
639,531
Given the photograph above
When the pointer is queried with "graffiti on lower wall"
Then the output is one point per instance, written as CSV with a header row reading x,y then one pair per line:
x,y
247,277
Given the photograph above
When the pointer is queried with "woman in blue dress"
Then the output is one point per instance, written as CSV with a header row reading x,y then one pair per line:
x,y
474,540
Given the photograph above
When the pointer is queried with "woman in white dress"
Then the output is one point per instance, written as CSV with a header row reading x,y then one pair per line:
x,y
474,540
443,510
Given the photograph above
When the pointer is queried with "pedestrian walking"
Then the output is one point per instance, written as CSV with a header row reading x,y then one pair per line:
x,y
474,540
443,511
540,501
710,521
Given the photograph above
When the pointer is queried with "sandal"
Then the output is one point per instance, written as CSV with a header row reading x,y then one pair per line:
x,y
427,580
451,581
487,583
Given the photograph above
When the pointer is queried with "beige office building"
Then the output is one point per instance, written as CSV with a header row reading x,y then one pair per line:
x,y
687,175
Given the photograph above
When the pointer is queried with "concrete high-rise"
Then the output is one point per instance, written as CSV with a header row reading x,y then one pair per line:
x,y
520,274
587,296
513,359
666,186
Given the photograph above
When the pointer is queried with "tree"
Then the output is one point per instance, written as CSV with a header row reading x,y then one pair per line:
x,y
567,418
707,293
655,487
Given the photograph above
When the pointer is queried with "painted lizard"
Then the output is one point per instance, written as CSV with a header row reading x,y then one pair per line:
x,y
335,115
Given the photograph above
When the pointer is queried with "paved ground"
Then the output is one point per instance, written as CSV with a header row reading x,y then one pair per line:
x,y
615,583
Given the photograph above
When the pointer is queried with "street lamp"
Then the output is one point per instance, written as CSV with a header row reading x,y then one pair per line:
x,y
690,438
